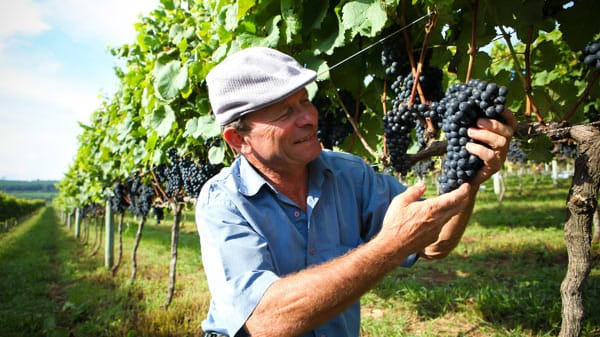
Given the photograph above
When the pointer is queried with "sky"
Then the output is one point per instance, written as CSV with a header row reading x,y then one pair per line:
x,y
55,66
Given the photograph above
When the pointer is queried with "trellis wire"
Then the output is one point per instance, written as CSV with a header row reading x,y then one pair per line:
x,y
399,30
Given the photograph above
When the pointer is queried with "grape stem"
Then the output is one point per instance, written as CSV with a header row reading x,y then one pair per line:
x,y
473,45
157,186
519,72
411,59
530,104
417,73
355,128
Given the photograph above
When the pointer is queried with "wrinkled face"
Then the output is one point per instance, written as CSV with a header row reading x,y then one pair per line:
x,y
283,136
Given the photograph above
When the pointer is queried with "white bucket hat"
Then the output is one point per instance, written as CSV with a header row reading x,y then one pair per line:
x,y
252,79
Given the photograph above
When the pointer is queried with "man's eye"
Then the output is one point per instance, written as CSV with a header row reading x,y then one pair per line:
x,y
285,114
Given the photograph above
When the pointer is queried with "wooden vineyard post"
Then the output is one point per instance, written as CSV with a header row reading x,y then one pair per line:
x,y
109,237
77,223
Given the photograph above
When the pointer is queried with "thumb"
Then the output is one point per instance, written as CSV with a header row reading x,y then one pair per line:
x,y
412,194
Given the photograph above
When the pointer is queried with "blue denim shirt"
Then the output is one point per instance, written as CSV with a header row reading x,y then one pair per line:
x,y
251,235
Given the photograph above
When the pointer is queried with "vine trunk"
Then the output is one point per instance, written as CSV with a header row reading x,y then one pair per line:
x,y
582,203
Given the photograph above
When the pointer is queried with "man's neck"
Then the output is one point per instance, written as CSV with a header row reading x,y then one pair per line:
x,y
291,183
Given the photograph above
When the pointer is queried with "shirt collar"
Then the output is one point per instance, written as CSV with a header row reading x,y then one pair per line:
x,y
252,181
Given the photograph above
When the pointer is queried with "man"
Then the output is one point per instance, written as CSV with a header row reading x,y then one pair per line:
x,y
293,235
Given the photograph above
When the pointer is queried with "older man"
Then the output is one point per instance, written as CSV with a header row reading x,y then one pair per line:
x,y
293,235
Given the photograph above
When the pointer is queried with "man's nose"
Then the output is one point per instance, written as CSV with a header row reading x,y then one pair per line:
x,y
307,115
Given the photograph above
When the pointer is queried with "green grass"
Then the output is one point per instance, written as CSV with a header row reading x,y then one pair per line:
x,y
502,280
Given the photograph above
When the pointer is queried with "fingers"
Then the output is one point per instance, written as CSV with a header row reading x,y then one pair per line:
x,y
412,194
447,205
496,136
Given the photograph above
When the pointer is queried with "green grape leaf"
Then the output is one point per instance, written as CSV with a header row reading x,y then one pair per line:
x,y
231,17
170,79
291,12
364,18
244,6
329,36
538,149
542,78
314,17
203,126
216,155
162,119
244,40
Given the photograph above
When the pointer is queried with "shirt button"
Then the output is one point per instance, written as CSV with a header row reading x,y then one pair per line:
x,y
311,251
296,214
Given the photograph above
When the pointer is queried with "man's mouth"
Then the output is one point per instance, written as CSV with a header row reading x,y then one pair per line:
x,y
306,139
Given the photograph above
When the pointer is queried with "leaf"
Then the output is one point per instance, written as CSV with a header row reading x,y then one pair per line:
x,y
231,17
243,7
364,17
329,36
314,17
538,149
203,126
544,77
315,63
176,33
170,79
162,119
191,128
291,12
216,154
244,40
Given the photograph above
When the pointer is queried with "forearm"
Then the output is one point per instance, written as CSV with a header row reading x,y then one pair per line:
x,y
300,302
452,232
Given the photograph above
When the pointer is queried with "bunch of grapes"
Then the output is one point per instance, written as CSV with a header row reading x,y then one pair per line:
x,y
397,125
515,154
141,196
144,200
590,54
462,106
191,176
174,182
195,176
402,118
393,59
118,201
92,209
184,174
334,127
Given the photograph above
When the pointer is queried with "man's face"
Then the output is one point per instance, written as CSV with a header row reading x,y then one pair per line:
x,y
283,136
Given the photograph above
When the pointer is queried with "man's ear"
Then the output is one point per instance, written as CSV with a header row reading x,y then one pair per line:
x,y
233,138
